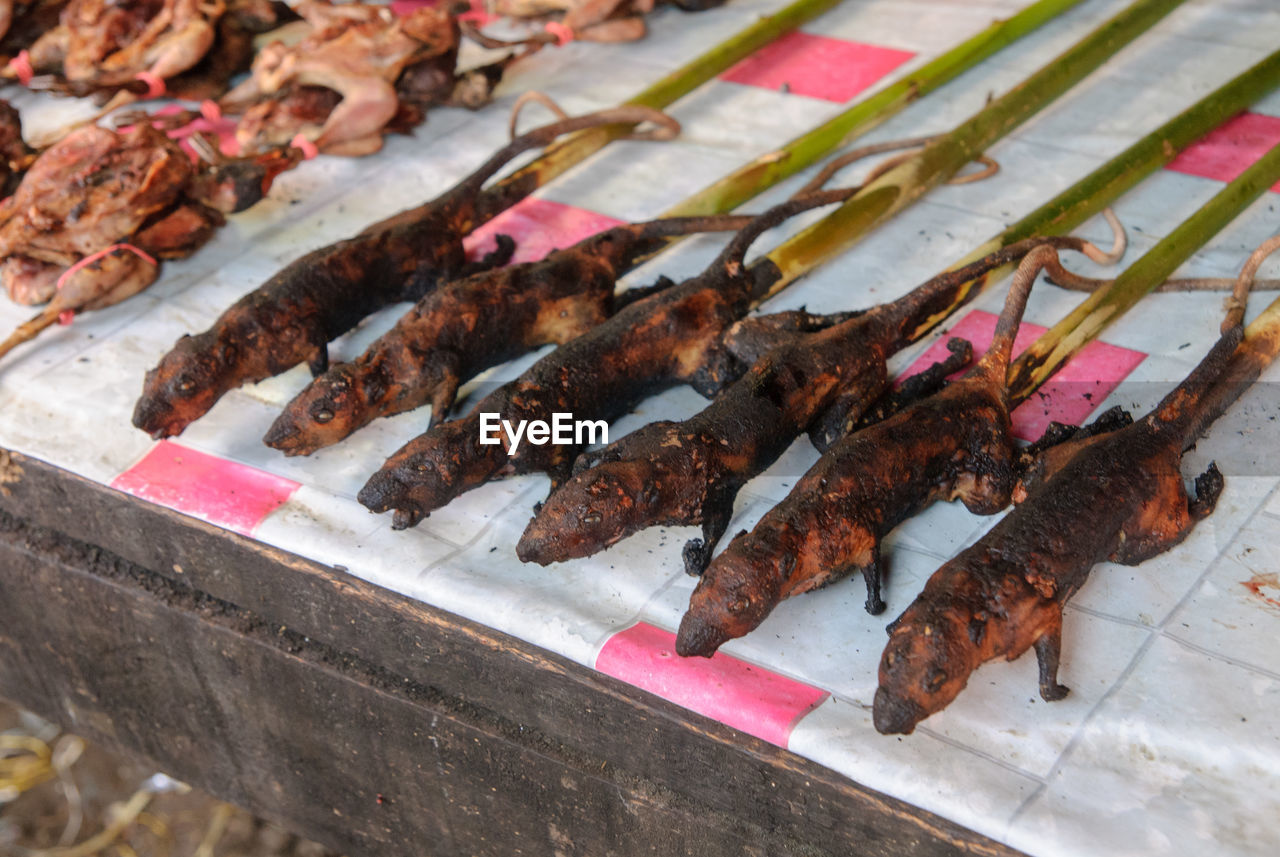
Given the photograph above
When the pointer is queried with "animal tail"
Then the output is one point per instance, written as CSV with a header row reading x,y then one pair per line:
x,y
672,226
1042,258
627,114
731,258
1190,408
934,299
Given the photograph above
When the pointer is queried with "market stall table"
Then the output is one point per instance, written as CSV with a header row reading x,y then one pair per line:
x,y
237,618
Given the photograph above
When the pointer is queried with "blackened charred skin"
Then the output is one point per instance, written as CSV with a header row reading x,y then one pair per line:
x,y
469,325
816,366
291,318
1120,497
954,444
672,337
649,346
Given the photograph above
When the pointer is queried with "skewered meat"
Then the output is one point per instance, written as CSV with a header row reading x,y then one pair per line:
x,y
668,338
108,43
957,443
94,213
597,20
355,54
291,318
471,324
689,472
183,48
1120,497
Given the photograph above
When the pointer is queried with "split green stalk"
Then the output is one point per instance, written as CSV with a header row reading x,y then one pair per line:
x,y
1101,187
939,161
772,167
574,149
1104,306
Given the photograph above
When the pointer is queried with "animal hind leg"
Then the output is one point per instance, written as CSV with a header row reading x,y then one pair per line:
x,y
1208,489
919,386
1177,526
873,576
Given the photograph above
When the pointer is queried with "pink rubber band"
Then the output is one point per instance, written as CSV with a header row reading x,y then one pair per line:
x,y
210,110
562,32
66,317
21,65
308,148
155,84
89,260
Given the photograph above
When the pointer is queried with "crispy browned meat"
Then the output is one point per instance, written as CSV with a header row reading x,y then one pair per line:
x,y
24,22
291,318
1120,497
108,42
471,324
689,472
89,191
358,52
956,443
669,338
94,213
232,49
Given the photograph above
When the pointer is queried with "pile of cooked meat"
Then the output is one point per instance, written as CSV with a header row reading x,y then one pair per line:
x,y
87,219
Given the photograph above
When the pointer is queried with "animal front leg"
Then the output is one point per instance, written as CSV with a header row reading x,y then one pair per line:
x,y
1048,654
873,575
446,391
318,362
715,520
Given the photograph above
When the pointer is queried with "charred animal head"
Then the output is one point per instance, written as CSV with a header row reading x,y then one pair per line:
x,y
186,383
731,598
597,508
925,666
328,410
427,473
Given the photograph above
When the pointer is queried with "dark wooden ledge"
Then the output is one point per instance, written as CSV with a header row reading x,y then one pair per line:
x,y
376,724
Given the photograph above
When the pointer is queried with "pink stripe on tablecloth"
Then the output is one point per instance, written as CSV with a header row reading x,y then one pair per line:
x,y
817,66
538,227
1068,397
219,491
734,692
1230,149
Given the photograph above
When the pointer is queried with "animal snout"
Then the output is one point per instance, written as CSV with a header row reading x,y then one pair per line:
x,y
894,715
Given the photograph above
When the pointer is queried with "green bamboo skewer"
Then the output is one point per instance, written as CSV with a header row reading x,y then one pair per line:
x,y
1104,306
1117,176
770,168
942,159
573,150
